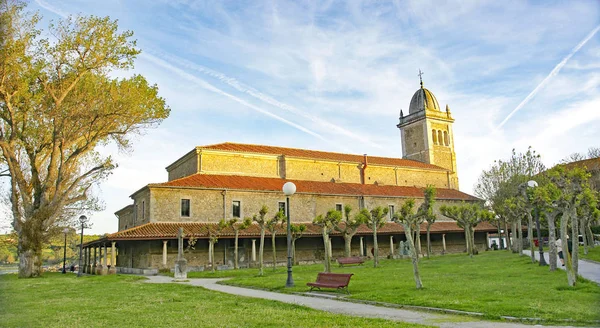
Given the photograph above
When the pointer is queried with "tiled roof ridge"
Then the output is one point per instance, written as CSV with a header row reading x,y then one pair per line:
x,y
323,152
242,182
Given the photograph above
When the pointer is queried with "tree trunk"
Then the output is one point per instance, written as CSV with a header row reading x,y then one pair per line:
x,y
472,231
274,249
260,251
30,256
467,240
530,237
575,243
590,236
507,234
428,239
500,243
571,278
583,235
520,238
347,244
515,237
375,249
552,240
413,255
235,251
418,238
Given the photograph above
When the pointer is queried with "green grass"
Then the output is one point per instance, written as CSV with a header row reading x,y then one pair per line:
x,y
494,283
57,300
593,253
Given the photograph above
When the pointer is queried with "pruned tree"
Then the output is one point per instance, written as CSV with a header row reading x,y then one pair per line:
x,y
375,219
260,219
587,212
214,232
546,198
58,102
427,213
409,219
572,184
272,228
297,231
237,227
327,223
467,216
347,227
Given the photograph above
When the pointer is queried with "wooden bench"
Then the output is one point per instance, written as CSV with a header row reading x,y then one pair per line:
x,y
350,260
331,280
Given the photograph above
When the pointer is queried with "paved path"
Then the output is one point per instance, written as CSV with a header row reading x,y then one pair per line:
x,y
587,269
347,308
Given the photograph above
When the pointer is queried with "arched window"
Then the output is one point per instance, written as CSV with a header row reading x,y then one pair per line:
x,y
446,138
434,136
440,137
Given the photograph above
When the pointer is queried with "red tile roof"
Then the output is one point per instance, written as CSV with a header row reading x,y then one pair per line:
x,y
169,230
311,187
316,154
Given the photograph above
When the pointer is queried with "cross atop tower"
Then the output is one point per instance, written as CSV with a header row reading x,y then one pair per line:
x,y
421,77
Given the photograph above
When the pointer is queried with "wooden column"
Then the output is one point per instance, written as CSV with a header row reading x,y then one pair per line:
x,y
392,245
362,247
253,250
113,258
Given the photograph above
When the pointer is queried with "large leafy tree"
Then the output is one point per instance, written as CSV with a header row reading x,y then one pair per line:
x,y
58,102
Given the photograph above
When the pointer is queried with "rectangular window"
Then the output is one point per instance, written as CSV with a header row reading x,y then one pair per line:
x,y
143,210
339,208
282,208
391,212
185,207
237,209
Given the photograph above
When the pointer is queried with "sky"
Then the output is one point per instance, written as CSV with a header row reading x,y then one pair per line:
x,y
333,76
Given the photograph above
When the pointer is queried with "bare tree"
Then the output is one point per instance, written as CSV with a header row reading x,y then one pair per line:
x,y
410,219
375,218
237,227
347,227
260,219
297,231
272,228
327,223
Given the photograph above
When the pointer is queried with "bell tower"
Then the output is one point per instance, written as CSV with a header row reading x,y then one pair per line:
x,y
426,133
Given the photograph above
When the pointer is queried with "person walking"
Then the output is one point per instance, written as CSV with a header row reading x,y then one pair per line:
x,y
558,244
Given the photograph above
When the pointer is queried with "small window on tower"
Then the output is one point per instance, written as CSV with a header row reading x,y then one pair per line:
x,y
446,138
440,138
434,136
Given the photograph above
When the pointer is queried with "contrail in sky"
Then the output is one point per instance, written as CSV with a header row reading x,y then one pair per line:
x,y
241,87
555,71
214,89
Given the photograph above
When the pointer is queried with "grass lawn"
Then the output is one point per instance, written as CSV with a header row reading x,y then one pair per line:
x,y
57,300
494,283
593,253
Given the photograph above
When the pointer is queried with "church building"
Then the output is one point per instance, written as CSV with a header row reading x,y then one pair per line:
x,y
234,180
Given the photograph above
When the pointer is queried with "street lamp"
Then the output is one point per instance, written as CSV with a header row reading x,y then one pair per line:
x,y
83,220
65,231
289,188
533,184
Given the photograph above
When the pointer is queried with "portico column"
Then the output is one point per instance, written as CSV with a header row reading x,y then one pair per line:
x,y
113,258
392,245
84,260
164,263
210,254
105,260
443,243
253,250
487,240
362,247
95,257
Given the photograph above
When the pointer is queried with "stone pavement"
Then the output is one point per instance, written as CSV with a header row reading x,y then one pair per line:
x,y
348,308
587,269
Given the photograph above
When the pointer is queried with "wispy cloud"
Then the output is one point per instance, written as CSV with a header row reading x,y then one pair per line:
x,y
553,73
214,89
51,8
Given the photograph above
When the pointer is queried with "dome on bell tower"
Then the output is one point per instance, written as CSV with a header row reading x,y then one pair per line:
x,y
423,99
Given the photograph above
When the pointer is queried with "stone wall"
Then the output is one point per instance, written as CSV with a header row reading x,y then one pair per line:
x,y
239,164
186,165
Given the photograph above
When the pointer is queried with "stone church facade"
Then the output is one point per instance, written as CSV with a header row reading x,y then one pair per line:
x,y
233,180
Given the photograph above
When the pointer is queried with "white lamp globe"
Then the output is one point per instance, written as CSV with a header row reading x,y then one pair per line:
x,y
289,188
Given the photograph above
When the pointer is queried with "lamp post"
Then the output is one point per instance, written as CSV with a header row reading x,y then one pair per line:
x,y
65,231
533,184
83,220
289,188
